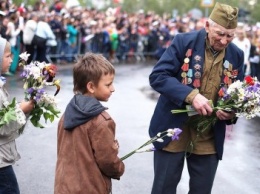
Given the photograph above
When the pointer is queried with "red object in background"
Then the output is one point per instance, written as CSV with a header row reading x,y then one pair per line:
x,y
21,10
59,6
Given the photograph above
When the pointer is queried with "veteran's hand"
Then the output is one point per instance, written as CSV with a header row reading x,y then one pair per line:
x,y
27,106
201,105
222,115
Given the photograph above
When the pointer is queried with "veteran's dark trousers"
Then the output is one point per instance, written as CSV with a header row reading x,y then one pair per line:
x,y
8,182
168,170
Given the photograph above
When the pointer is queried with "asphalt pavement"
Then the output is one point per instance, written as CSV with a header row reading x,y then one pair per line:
x,y
131,106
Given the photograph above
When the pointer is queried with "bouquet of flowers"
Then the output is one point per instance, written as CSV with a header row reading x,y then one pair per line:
x,y
173,133
242,98
37,76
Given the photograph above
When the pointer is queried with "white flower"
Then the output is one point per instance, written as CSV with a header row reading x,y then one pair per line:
x,y
35,72
47,99
160,140
236,85
48,83
41,65
24,56
170,131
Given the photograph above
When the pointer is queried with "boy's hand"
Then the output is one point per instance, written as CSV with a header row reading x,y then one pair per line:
x,y
27,106
116,144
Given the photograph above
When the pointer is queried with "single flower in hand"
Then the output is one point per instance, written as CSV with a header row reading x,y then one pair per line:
x,y
173,133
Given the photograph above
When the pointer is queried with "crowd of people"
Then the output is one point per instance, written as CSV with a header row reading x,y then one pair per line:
x,y
116,34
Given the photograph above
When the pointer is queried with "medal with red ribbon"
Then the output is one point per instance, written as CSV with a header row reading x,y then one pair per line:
x,y
185,68
197,74
229,76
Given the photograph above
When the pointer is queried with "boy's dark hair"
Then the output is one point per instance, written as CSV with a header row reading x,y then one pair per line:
x,y
90,68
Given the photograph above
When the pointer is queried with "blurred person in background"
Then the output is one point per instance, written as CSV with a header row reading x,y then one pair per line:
x,y
72,30
56,26
43,30
4,31
64,45
254,56
112,44
28,33
14,33
242,42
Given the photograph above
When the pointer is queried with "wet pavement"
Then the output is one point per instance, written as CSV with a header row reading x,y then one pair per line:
x,y
131,106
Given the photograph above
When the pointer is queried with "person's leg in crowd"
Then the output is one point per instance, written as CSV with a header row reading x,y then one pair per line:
x,y
253,69
257,69
30,50
41,54
14,65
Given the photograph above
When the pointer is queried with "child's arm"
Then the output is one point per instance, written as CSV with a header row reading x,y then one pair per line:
x,y
106,150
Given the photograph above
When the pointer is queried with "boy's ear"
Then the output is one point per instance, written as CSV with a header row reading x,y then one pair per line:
x,y
90,87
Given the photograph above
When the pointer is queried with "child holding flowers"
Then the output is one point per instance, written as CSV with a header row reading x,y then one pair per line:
x,y
87,150
11,122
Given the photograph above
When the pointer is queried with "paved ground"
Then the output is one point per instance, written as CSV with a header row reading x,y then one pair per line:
x,y
131,106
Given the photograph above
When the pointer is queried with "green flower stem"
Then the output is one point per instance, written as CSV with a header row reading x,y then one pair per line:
x,y
204,124
181,111
162,135
134,151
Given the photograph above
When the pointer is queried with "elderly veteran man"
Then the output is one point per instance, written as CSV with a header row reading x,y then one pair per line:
x,y
191,72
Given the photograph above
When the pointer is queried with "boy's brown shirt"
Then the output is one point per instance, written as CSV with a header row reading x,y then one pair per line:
x,y
87,157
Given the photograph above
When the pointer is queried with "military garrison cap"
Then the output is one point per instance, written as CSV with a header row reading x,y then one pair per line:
x,y
224,15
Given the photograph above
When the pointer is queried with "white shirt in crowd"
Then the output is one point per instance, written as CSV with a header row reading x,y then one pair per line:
x,y
44,30
245,46
28,31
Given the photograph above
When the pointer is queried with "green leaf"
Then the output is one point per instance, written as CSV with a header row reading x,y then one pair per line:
x,y
2,113
13,103
51,117
47,112
36,123
10,116
53,110
46,116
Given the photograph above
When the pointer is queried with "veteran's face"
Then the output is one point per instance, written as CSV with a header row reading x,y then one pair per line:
x,y
219,37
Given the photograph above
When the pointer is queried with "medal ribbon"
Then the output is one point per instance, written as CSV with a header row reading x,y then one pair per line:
x,y
186,78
